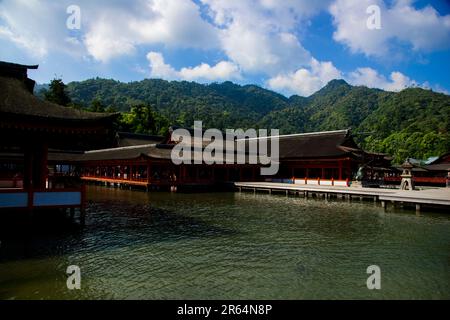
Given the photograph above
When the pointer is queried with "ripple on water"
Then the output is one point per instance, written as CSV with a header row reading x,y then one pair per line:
x,y
205,246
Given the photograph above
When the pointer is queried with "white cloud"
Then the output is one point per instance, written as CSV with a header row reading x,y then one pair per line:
x,y
261,35
36,27
224,70
36,46
422,29
169,22
304,81
106,41
371,78
257,37
109,29
159,69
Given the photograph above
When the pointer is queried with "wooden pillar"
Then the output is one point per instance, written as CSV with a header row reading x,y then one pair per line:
x,y
323,173
180,173
39,170
83,205
183,176
28,168
349,170
340,170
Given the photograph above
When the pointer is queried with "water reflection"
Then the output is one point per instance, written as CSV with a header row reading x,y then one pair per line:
x,y
230,245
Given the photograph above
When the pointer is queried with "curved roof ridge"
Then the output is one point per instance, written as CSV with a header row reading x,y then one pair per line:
x,y
121,148
317,133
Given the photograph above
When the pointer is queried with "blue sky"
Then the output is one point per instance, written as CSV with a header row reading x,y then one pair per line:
x,y
290,46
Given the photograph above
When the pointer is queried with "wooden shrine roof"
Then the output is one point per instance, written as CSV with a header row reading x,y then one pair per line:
x,y
317,145
126,139
15,99
298,146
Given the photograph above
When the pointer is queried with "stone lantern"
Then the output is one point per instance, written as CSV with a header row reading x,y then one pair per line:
x,y
407,181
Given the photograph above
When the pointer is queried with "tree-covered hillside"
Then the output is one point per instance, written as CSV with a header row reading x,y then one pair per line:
x,y
411,123
221,106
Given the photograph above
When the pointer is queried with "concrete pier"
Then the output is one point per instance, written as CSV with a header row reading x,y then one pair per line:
x,y
436,197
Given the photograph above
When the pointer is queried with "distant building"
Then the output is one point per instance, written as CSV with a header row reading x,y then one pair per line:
x,y
314,158
432,173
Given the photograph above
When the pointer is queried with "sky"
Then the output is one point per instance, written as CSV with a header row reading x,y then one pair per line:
x,y
289,46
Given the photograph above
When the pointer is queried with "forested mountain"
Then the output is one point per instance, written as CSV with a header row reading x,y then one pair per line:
x,y
224,105
411,123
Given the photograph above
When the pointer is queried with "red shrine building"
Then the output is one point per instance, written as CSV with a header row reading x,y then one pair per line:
x,y
319,158
29,129
48,151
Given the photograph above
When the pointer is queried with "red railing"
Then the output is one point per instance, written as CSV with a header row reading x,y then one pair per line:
x,y
439,180
320,181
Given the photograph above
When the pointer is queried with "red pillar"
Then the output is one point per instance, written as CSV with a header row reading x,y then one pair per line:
x,y
148,172
39,166
44,165
28,168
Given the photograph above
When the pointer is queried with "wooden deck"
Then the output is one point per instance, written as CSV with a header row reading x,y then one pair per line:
x,y
136,182
117,180
431,197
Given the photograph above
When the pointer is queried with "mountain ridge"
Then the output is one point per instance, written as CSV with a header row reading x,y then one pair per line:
x,y
414,122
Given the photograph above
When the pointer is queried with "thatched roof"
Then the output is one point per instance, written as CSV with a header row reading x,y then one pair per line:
x,y
317,145
120,153
292,147
126,139
15,99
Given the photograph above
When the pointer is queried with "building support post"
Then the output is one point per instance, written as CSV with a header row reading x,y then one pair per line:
x,y
418,207
82,216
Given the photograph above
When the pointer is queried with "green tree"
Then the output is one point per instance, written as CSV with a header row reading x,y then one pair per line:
x,y
57,93
143,119
97,106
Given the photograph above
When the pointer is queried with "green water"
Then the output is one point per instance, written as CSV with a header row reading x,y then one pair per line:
x,y
140,245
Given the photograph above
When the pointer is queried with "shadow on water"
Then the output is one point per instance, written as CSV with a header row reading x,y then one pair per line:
x,y
226,245
109,225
